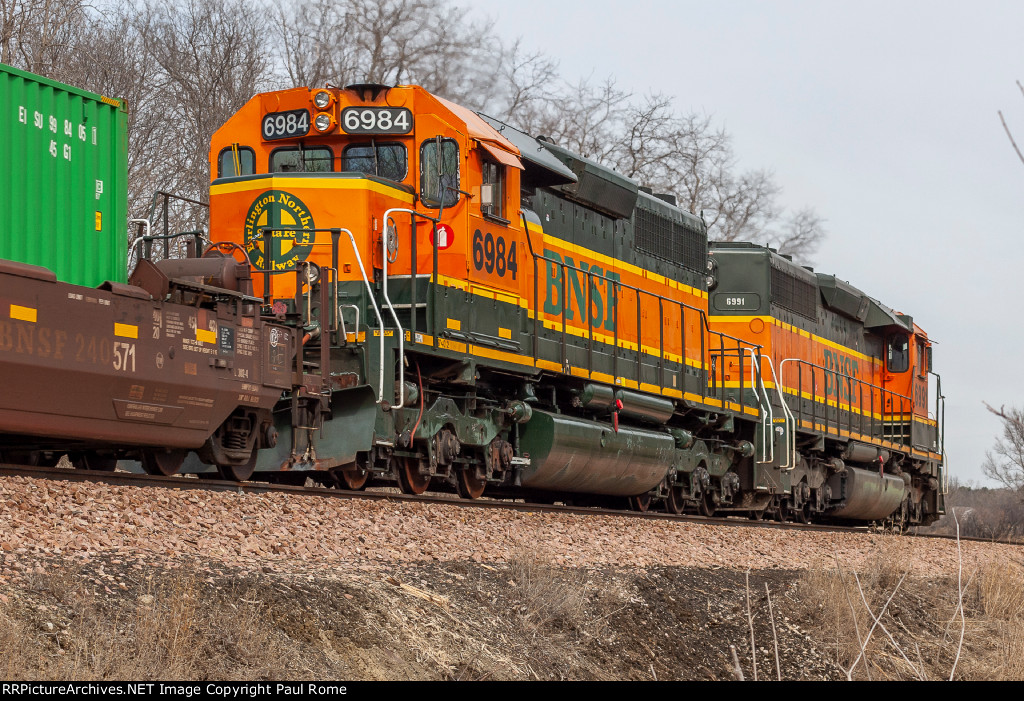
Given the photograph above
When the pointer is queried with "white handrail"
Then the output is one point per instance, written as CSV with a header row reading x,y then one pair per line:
x,y
944,484
376,310
790,463
387,300
341,319
767,425
138,239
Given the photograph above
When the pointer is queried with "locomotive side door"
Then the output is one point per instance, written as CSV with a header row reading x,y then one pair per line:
x,y
499,257
441,184
922,428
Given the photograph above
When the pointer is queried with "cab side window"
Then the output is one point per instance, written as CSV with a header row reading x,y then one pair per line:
x,y
492,191
236,160
439,172
898,353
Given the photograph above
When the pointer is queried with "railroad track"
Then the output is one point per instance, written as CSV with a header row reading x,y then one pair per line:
x,y
191,482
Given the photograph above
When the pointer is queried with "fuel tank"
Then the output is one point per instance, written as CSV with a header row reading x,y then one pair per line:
x,y
569,454
868,495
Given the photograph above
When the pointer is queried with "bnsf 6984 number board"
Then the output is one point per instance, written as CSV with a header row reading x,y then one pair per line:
x,y
285,125
376,120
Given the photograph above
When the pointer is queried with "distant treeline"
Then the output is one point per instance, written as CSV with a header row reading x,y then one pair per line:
x,y
983,512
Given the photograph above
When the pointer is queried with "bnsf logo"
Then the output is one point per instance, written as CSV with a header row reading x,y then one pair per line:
x,y
835,384
602,290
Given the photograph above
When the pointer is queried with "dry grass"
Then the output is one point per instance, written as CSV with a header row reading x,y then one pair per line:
x,y
550,600
918,635
174,631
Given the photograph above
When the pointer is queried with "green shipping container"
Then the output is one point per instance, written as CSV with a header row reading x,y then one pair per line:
x,y
63,179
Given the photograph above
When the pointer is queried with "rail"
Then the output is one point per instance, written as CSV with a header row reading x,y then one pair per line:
x,y
790,463
193,246
768,423
886,430
767,416
389,234
940,416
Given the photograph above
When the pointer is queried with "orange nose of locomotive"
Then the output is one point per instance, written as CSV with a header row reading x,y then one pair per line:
x,y
287,172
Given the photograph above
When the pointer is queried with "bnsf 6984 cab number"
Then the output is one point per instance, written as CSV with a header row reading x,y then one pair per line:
x,y
492,254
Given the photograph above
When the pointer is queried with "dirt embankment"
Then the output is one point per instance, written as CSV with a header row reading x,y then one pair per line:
x,y
102,582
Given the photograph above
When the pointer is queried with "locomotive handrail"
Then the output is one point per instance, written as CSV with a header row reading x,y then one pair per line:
x,y
166,214
767,416
940,414
387,300
369,292
944,482
376,311
904,437
790,463
617,286
341,319
148,239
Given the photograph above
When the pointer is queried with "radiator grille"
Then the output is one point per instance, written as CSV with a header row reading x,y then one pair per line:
x,y
794,294
661,237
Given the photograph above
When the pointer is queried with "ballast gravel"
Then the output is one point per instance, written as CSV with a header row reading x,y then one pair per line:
x,y
290,533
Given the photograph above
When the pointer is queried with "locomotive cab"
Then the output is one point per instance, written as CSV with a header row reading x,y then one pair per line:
x,y
291,166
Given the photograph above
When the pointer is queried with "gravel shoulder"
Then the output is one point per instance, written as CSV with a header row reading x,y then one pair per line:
x,y
283,586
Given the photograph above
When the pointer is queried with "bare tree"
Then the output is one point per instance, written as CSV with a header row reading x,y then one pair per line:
x,y
684,154
185,66
427,42
799,236
210,60
1007,129
524,79
41,35
1005,462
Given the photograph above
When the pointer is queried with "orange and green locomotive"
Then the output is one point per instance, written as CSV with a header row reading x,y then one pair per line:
x,y
486,311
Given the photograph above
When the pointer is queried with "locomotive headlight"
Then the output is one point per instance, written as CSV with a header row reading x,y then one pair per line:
x,y
711,276
322,99
323,122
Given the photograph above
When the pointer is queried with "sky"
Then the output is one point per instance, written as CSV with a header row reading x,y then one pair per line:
x,y
880,115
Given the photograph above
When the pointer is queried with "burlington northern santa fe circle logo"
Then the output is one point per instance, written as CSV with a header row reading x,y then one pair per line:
x,y
278,250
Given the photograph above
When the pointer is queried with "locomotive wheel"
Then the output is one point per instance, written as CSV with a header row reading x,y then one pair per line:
x,y
706,505
94,461
782,514
803,514
756,514
354,479
238,473
409,478
469,485
640,503
676,500
162,462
